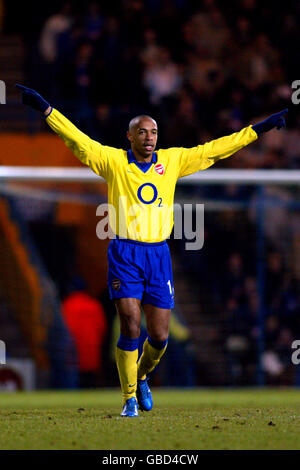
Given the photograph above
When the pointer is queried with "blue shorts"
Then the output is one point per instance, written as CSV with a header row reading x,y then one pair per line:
x,y
142,271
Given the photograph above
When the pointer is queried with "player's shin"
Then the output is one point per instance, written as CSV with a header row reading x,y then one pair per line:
x,y
126,359
152,353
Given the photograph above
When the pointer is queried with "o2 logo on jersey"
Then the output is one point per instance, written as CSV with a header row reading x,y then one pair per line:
x,y
147,193
159,168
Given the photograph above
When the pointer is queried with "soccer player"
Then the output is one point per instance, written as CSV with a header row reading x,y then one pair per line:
x,y
141,185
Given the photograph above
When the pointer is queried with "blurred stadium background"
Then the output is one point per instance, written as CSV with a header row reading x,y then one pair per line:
x,y
202,69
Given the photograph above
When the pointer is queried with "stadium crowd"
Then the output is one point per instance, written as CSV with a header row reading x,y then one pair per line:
x,y
202,69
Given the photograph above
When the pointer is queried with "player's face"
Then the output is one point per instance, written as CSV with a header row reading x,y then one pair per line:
x,y
143,137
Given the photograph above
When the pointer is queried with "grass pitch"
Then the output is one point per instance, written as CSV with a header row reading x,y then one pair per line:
x,y
180,420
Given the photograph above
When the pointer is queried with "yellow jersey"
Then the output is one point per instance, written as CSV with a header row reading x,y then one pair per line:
x,y
141,197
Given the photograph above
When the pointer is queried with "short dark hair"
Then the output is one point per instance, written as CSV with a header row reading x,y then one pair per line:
x,y
136,119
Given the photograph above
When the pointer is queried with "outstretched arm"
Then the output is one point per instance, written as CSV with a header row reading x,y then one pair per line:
x,y
88,151
204,156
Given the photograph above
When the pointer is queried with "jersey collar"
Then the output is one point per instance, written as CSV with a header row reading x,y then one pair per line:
x,y
142,166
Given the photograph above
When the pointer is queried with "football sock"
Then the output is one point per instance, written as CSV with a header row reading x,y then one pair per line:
x,y
152,353
126,359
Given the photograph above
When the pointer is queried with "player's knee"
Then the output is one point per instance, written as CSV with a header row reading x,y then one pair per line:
x,y
130,327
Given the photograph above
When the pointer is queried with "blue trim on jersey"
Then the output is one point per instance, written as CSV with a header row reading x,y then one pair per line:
x,y
142,166
136,242
127,344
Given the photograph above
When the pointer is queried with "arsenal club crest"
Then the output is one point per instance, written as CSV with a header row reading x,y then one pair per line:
x,y
159,168
116,283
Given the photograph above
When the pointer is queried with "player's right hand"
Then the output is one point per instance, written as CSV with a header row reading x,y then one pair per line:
x,y
33,99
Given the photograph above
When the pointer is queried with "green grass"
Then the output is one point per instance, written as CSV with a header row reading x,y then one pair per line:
x,y
181,419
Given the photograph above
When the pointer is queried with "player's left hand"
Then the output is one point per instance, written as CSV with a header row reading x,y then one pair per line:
x,y
275,120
